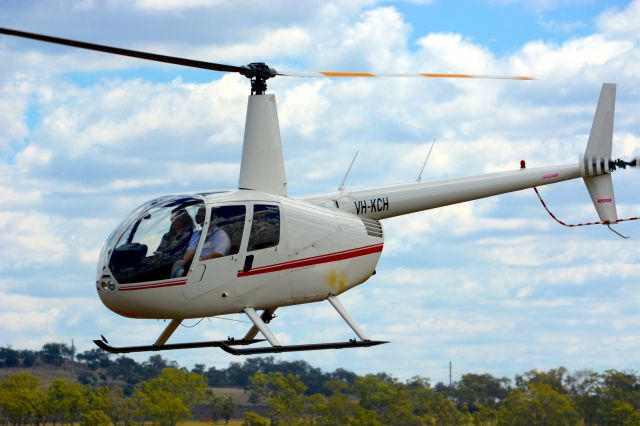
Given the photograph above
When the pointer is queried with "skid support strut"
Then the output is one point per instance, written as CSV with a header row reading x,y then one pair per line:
x,y
257,321
168,331
266,317
345,316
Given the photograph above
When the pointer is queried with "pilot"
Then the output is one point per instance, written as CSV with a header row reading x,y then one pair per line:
x,y
174,242
183,265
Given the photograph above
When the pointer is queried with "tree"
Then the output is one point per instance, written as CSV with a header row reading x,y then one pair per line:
x,y
95,418
623,386
165,408
169,397
254,419
343,375
155,364
539,405
124,408
391,401
128,370
484,389
67,400
21,398
55,353
284,394
198,369
555,378
485,416
433,407
622,414
28,357
8,357
221,406
340,408
95,358
99,398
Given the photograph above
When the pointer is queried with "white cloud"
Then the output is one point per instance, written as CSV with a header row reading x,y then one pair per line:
x,y
30,239
621,22
591,57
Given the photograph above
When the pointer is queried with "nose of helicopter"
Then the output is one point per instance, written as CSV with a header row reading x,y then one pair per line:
x,y
146,251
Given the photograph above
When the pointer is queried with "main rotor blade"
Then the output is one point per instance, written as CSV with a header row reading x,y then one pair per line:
x,y
126,52
424,75
252,70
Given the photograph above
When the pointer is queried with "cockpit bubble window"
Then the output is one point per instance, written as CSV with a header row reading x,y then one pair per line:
x,y
225,232
155,241
265,227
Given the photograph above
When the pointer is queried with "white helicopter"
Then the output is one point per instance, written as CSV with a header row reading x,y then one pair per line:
x,y
256,249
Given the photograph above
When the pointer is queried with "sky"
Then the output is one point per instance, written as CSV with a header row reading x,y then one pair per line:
x,y
494,286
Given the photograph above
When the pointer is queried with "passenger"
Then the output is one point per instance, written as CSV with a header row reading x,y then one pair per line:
x,y
218,243
262,233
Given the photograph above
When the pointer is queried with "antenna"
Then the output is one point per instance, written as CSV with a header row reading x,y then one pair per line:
x,y
425,160
341,187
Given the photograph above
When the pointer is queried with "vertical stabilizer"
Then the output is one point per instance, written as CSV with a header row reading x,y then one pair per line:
x,y
595,165
601,136
262,167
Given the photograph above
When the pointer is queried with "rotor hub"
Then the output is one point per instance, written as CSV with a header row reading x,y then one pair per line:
x,y
258,73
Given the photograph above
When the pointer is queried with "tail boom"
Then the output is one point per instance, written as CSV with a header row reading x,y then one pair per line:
x,y
390,201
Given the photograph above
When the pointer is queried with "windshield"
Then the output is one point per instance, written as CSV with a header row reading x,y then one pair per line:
x,y
154,239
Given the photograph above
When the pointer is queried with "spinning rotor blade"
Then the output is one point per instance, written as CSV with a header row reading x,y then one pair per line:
x,y
258,72
402,75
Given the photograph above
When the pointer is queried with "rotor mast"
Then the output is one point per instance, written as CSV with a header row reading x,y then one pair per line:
x,y
262,164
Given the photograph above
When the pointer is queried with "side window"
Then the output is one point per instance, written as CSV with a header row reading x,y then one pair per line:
x,y
225,232
265,227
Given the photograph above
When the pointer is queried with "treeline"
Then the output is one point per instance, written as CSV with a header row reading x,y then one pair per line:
x,y
296,393
549,398
101,368
165,400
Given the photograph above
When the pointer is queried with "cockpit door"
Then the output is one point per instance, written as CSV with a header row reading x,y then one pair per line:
x,y
220,250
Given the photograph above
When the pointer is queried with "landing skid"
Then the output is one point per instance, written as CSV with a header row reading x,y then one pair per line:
x,y
228,346
172,346
259,325
301,348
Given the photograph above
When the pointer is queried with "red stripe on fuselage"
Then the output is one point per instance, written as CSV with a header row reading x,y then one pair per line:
x,y
315,260
152,285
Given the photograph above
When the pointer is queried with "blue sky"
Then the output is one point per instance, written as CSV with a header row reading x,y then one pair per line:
x,y
493,286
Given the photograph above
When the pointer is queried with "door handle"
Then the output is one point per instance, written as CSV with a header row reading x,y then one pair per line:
x,y
248,263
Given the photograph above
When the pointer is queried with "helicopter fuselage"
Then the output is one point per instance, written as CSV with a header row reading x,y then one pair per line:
x,y
281,251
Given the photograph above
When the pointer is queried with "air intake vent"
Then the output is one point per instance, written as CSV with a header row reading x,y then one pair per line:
x,y
373,227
